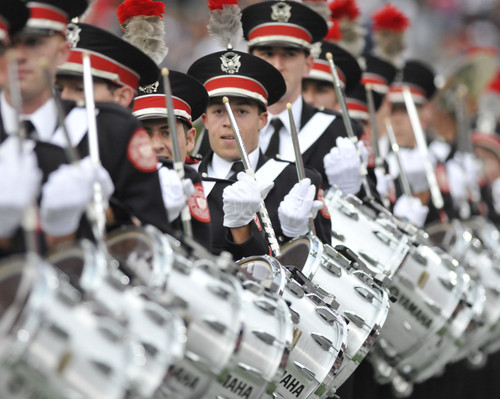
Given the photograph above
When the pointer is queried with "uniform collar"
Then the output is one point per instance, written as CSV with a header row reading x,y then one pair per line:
x,y
44,119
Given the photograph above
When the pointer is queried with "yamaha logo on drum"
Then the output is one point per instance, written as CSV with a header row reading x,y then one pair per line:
x,y
412,309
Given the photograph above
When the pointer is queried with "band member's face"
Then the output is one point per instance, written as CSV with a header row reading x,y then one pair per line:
x,y
402,126
491,164
249,120
320,94
71,88
161,140
293,64
29,53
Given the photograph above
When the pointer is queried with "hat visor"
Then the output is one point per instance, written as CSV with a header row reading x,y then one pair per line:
x,y
30,32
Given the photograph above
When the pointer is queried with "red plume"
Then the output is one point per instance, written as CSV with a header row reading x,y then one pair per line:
x,y
389,17
217,4
334,32
344,9
133,8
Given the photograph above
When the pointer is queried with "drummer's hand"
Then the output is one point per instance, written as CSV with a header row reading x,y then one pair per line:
x,y
19,184
342,165
414,165
174,191
242,200
385,183
411,210
296,207
68,192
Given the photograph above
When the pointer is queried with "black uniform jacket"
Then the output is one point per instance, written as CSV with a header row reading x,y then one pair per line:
x,y
198,207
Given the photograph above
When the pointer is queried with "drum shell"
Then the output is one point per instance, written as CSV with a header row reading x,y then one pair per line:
x,y
377,240
263,349
47,347
361,301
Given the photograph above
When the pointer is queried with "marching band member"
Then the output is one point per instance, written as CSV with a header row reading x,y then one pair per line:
x,y
281,33
137,192
251,85
189,100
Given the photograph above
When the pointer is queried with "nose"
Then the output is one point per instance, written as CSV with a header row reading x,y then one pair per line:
x,y
157,144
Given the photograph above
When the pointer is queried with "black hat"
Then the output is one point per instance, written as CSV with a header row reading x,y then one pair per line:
x,y
287,23
357,102
189,99
52,16
13,17
111,57
347,67
378,73
420,80
233,73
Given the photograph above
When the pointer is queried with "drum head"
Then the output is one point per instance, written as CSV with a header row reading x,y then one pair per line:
x,y
295,254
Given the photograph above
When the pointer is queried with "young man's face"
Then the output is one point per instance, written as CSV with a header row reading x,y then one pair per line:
x,y
249,118
159,133
320,94
29,53
293,63
402,126
71,88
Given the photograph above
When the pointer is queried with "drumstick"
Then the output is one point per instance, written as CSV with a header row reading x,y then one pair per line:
x,y
395,149
266,221
418,132
96,209
178,162
379,162
299,161
347,123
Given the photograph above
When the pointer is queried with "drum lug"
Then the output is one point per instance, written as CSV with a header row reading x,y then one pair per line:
x,y
331,266
250,370
383,237
448,284
407,283
216,326
294,315
432,306
368,257
338,236
327,315
305,371
219,291
357,320
419,257
365,293
351,213
295,288
322,341
264,337
266,307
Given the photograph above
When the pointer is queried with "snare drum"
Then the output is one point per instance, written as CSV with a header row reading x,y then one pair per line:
x,y
319,333
263,350
430,291
156,335
53,345
363,303
210,302
376,239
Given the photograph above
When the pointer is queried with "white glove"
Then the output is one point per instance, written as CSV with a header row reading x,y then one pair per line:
x,y
242,200
342,165
68,192
295,208
414,167
174,192
457,181
385,183
411,209
19,185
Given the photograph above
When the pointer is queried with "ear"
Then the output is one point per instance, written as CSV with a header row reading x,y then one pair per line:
x,y
190,139
262,120
64,49
204,119
123,95
309,65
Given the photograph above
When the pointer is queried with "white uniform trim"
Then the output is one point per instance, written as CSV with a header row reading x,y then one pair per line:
x,y
308,135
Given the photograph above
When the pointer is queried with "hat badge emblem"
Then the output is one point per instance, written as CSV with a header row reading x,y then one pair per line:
x,y
73,34
281,12
230,62
316,49
149,89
